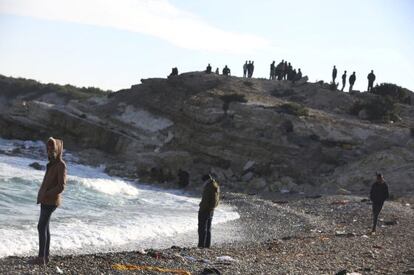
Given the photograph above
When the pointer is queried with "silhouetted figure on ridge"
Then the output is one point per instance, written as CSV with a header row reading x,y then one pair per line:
x,y
272,70
334,73
280,70
226,70
245,69
174,72
293,76
250,69
352,80
285,70
208,69
299,75
371,79
217,71
343,81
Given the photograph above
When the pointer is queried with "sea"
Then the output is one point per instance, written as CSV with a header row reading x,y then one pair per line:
x,y
99,213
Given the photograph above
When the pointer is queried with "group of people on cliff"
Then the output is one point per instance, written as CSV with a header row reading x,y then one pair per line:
x,y
352,78
284,71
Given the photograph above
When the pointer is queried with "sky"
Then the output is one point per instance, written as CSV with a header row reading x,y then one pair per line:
x,y
113,44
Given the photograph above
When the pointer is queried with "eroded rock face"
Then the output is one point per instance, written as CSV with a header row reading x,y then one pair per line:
x,y
247,132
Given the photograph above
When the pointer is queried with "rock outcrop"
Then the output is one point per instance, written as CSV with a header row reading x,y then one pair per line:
x,y
255,135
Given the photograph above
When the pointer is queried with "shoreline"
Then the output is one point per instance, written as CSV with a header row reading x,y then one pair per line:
x,y
320,235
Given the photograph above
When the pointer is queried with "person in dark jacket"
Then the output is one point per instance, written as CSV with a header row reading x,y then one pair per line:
x,y
209,201
343,81
49,196
371,79
352,80
208,69
334,73
379,193
272,70
226,70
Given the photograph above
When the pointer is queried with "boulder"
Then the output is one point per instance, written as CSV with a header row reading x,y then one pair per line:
x,y
37,166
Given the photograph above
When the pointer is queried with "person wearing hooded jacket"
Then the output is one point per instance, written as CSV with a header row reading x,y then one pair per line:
x,y
49,195
379,194
209,201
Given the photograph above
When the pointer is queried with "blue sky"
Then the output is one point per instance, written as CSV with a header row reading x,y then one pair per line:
x,y
112,44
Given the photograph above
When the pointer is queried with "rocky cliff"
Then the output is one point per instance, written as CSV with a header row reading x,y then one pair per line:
x,y
256,135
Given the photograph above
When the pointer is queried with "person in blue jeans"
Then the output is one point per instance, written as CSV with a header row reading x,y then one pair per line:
x,y
49,196
209,201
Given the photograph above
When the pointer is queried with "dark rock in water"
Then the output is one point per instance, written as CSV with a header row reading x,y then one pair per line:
x,y
37,166
16,151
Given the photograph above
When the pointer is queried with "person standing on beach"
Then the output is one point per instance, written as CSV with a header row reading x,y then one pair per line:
x,y
49,196
209,201
379,193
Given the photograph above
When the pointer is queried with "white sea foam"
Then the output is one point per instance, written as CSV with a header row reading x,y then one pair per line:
x,y
99,213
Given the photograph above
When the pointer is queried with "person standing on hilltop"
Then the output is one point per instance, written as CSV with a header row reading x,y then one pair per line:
x,y
272,71
352,80
379,194
226,70
245,69
208,69
251,69
217,71
343,81
371,79
209,201
299,75
334,73
49,196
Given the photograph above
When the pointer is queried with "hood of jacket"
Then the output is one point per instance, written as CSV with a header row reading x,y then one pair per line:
x,y
58,145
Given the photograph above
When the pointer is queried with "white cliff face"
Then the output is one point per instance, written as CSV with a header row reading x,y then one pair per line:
x,y
294,137
142,119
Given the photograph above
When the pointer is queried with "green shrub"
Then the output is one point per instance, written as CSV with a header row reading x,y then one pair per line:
x,y
394,92
293,108
27,87
381,109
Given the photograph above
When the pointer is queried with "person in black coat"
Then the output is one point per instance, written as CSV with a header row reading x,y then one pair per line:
x,y
334,73
379,193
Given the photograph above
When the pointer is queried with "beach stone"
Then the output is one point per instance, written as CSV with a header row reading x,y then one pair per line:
x,y
249,165
343,191
248,176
